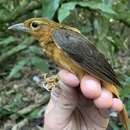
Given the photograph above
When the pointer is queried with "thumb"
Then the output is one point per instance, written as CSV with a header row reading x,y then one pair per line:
x,y
63,101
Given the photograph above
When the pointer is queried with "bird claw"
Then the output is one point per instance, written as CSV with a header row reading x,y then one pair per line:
x,y
50,81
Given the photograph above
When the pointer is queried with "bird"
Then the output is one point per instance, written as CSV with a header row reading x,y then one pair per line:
x,y
72,51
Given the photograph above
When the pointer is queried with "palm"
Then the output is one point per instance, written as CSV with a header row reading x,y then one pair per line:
x,y
85,116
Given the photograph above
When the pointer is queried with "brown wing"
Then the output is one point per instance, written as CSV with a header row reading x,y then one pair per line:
x,y
85,54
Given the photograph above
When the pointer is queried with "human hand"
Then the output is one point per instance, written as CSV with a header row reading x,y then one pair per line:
x,y
87,107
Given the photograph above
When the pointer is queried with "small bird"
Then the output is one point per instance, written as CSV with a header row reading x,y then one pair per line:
x,y
72,51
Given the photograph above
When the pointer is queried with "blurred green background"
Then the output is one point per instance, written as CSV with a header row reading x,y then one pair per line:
x,y
22,62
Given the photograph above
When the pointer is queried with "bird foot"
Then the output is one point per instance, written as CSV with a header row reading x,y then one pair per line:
x,y
50,81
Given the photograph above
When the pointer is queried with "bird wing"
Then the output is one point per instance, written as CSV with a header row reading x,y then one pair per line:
x,y
82,51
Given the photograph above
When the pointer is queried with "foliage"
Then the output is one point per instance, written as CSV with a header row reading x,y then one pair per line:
x,y
105,22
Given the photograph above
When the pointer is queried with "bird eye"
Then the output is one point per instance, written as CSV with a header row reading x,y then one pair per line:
x,y
34,25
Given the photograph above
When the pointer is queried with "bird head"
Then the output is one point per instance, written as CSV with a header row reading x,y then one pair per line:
x,y
40,28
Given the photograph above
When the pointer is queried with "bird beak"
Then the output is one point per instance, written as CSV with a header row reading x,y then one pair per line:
x,y
20,27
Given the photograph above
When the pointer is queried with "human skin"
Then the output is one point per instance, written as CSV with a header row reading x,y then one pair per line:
x,y
79,108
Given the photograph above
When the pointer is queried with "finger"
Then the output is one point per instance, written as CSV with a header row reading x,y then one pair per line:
x,y
90,87
117,105
108,105
62,103
104,101
68,78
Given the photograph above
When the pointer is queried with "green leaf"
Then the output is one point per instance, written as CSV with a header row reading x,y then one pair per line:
x,y
34,113
17,49
3,11
125,91
36,50
127,104
104,47
16,103
4,112
101,25
128,80
18,67
7,41
66,8
98,6
40,63
12,52
49,8
108,2
114,126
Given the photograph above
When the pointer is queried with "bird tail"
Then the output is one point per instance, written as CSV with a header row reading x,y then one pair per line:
x,y
123,115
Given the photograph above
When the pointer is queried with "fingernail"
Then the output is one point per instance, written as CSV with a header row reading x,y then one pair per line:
x,y
68,78
72,77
